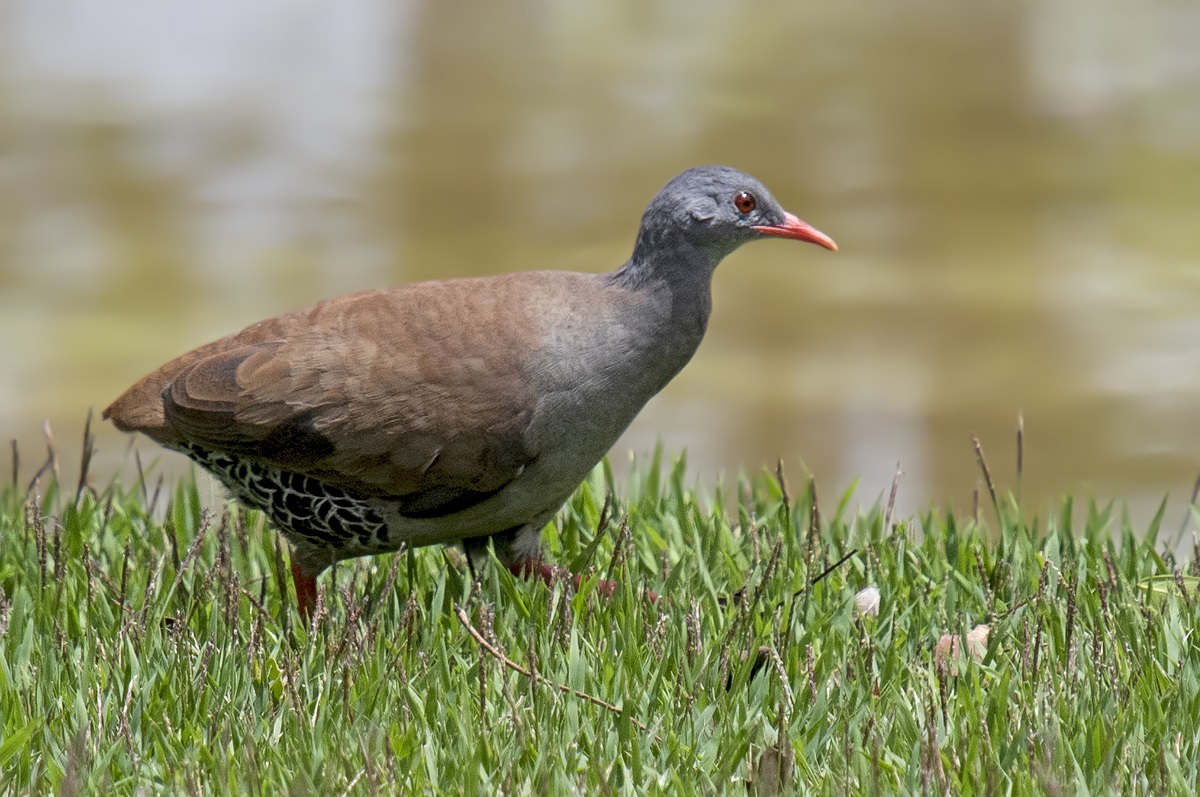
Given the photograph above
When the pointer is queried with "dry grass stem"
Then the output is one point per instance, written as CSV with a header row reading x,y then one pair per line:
x,y
51,453
889,513
987,474
781,477
512,665
85,460
1020,448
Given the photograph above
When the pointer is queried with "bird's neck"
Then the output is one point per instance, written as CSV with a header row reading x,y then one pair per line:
x,y
677,277
665,250
660,261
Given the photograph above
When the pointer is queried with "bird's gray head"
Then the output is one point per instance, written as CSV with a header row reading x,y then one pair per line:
x,y
713,210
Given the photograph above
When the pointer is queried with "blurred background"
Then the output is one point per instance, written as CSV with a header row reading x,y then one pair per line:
x,y
1014,187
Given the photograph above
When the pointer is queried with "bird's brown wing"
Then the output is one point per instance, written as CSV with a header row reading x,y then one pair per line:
x,y
369,393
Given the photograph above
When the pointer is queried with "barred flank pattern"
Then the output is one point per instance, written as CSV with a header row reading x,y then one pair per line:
x,y
304,508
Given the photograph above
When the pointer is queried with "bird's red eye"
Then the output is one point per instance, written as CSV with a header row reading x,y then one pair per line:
x,y
744,202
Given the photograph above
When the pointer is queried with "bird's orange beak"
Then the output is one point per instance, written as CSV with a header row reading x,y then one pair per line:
x,y
798,230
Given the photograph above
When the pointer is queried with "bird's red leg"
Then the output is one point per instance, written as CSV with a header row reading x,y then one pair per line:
x,y
306,591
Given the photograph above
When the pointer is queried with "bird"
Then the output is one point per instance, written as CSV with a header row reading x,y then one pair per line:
x,y
458,411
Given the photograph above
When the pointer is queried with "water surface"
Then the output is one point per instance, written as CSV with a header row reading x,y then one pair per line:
x,y
1014,187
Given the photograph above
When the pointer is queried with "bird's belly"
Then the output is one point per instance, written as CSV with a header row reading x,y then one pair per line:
x,y
568,435
529,500
321,517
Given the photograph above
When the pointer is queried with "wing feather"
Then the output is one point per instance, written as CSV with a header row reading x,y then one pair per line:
x,y
371,393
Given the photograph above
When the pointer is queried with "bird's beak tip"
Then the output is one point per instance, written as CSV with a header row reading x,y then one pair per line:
x,y
798,230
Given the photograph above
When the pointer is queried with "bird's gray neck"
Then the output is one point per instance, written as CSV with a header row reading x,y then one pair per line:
x,y
662,251
673,281
674,269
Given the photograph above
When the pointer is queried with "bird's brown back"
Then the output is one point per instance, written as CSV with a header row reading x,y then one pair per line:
x,y
381,393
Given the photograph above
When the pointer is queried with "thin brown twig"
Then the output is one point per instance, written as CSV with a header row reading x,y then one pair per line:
x,y
46,466
85,460
987,474
141,480
787,498
1020,449
891,504
154,498
49,434
605,513
253,600
812,582
512,665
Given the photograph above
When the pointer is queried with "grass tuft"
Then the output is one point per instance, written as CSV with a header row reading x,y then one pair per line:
x,y
152,651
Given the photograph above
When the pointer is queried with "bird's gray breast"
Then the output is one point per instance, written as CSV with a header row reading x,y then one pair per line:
x,y
599,367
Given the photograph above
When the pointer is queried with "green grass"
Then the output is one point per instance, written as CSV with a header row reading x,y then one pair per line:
x,y
140,656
